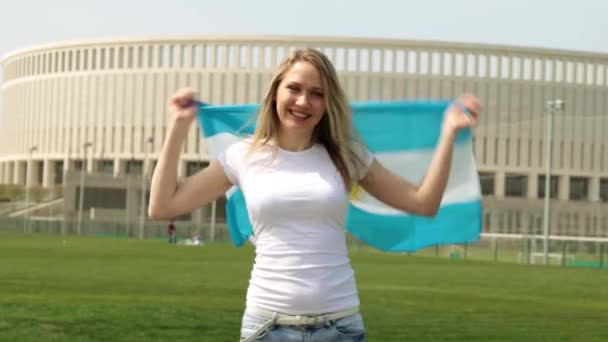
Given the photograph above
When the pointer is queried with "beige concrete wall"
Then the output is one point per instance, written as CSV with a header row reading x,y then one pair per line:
x,y
524,216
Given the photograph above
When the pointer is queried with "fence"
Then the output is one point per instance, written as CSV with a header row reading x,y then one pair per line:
x,y
492,247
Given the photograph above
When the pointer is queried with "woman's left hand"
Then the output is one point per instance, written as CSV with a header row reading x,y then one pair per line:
x,y
462,113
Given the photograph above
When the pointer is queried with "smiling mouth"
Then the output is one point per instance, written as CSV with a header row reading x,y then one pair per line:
x,y
299,115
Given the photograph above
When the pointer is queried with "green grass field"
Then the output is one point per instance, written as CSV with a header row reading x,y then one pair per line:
x,y
55,288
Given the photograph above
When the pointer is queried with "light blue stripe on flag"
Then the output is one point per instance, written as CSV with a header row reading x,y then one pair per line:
x,y
402,136
383,126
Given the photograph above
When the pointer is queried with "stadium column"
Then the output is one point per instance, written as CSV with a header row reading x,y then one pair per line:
x,y
499,184
68,165
563,189
48,173
3,173
119,167
9,171
532,185
19,173
6,168
594,189
34,175
91,164
196,217
132,206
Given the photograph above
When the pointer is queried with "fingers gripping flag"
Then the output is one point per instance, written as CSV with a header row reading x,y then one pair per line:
x,y
402,136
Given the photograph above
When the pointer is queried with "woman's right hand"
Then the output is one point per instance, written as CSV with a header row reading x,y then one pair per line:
x,y
183,105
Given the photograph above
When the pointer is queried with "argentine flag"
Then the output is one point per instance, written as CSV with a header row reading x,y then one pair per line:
x,y
402,136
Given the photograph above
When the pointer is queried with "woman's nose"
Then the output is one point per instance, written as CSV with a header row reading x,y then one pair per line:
x,y
302,100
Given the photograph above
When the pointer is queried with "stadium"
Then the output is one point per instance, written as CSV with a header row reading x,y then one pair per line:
x,y
99,106
82,124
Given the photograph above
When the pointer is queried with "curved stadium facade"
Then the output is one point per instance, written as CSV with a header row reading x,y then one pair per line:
x,y
106,100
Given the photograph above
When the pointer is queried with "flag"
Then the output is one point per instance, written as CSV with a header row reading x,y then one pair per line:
x,y
403,137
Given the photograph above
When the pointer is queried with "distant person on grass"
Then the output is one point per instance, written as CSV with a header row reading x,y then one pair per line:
x,y
171,232
296,173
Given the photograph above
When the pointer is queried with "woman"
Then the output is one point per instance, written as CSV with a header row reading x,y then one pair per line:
x,y
296,172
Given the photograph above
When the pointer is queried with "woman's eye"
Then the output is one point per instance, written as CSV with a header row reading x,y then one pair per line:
x,y
318,94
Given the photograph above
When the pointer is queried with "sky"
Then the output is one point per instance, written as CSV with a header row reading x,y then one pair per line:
x,y
564,24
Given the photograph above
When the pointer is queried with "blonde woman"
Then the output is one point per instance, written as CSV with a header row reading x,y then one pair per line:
x,y
296,172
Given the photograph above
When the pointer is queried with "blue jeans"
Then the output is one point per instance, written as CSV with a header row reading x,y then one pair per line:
x,y
347,329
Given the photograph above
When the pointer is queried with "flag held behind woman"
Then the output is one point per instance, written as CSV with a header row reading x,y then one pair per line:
x,y
402,136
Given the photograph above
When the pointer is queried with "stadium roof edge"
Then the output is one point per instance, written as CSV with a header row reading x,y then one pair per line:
x,y
335,40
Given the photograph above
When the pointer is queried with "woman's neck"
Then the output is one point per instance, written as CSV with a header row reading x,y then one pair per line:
x,y
294,142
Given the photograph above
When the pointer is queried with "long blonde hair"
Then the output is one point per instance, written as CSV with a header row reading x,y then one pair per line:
x,y
335,130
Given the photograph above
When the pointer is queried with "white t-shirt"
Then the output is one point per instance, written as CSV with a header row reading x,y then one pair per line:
x,y
297,206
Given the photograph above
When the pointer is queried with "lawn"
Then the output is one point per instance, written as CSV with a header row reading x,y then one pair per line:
x,y
55,288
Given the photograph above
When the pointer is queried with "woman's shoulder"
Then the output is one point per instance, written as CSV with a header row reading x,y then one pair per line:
x,y
241,145
360,149
245,147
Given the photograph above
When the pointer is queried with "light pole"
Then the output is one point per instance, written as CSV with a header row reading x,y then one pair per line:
x,y
81,197
28,176
212,224
128,167
552,107
144,173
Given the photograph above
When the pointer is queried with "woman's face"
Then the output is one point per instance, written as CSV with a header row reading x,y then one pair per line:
x,y
300,99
